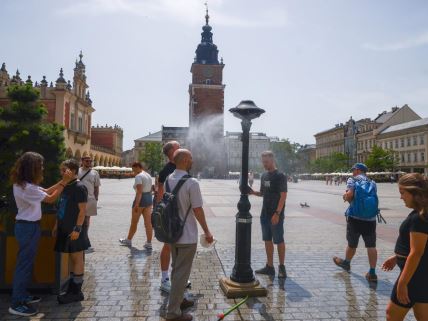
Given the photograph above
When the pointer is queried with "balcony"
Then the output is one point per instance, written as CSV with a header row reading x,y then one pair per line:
x,y
78,137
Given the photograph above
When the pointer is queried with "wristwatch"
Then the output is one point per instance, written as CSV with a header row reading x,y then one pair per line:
x,y
77,228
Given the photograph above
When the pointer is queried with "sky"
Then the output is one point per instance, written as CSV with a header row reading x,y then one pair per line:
x,y
309,63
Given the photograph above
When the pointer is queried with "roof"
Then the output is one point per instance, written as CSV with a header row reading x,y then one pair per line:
x,y
408,125
338,126
383,117
151,137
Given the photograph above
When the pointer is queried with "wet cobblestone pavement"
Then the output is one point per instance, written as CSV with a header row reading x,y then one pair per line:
x,y
123,283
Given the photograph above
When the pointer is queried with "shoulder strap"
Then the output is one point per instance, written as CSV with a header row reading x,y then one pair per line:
x,y
81,178
180,183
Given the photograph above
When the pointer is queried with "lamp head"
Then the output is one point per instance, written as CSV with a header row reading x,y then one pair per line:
x,y
247,110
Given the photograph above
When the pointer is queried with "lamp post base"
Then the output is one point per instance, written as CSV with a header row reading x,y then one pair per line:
x,y
236,290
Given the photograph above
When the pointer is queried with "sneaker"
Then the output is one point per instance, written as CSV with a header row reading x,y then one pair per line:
x,y
267,270
165,286
186,304
282,273
70,297
125,242
188,285
23,310
32,299
371,277
148,246
342,263
90,250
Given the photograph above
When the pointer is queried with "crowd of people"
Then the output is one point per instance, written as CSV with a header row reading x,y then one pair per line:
x,y
78,192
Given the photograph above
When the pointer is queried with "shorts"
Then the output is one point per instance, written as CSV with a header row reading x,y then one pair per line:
x,y
64,244
417,287
146,200
91,207
356,228
271,232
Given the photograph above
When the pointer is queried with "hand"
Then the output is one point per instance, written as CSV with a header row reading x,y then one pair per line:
x,y
389,264
344,197
250,191
402,293
67,176
54,231
209,237
74,235
275,219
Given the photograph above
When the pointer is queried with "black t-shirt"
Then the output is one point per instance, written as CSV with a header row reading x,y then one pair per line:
x,y
68,207
165,172
272,184
413,223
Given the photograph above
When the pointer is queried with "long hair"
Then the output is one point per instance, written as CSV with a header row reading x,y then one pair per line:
x,y
417,185
27,169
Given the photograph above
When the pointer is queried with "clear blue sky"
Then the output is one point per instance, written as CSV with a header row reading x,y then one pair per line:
x,y
309,64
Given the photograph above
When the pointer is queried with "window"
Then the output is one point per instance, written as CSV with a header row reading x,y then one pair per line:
x,y
402,142
80,123
415,157
365,144
402,158
72,120
396,143
409,159
408,141
415,140
390,144
422,140
422,157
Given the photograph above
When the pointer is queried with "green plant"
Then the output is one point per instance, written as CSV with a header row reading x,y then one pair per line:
x,y
23,128
152,157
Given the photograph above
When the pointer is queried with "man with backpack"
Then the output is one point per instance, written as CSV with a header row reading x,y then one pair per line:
x,y
361,193
180,207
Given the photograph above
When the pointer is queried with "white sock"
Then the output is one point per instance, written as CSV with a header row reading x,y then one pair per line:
x,y
165,275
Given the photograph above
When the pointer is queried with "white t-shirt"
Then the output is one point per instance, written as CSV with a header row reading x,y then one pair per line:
x,y
189,195
90,181
144,179
28,201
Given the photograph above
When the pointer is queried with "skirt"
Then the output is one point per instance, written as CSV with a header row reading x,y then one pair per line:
x,y
64,244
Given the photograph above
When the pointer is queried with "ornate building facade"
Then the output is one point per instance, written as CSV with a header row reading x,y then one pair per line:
x,y
68,104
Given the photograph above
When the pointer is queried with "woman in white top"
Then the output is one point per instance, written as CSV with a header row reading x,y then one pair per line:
x,y
26,176
142,205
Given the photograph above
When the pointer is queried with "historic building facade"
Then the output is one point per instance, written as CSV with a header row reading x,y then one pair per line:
x,y
330,141
68,104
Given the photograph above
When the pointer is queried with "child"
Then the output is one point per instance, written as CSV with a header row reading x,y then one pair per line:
x,y
26,176
70,236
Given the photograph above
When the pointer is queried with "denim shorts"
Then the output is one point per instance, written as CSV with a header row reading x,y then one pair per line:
x,y
271,232
146,200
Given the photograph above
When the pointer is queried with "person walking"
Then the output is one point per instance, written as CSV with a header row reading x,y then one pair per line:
x,y
91,179
361,220
70,236
26,176
183,251
273,189
142,205
410,291
165,256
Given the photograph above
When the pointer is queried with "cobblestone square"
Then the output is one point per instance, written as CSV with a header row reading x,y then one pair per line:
x,y
122,283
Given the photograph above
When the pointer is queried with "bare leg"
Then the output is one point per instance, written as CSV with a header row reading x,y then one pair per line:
x,y
350,252
395,312
77,265
165,257
269,252
147,212
421,311
134,223
372,254
281,252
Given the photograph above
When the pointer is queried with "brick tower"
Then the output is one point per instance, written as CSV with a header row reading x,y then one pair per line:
x,y
206,107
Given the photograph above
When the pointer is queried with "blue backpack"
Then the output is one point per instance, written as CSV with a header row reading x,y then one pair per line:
x,y
365,204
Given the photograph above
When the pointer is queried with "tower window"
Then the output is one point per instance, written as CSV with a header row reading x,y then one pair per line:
x,y
208,82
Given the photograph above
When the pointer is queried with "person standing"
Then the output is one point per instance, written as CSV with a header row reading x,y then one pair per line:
x,y
69,232
251,178
142,205
358,223
183,251
273,189
26,176
411,253
165,256
91,179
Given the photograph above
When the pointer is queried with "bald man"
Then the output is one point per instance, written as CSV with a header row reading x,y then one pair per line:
x,y
183,251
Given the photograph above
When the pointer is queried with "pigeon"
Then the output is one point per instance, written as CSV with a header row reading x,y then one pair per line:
x,y
304,204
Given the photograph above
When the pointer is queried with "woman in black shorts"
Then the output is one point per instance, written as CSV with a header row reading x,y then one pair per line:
x,y
70,236
411,253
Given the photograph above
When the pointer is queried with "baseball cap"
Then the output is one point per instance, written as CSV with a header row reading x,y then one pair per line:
x,y
360,166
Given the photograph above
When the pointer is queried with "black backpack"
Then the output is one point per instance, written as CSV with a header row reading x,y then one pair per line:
x,y
166,221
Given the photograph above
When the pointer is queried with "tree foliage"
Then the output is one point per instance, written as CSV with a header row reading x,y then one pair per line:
x,y
152,157
22,129
336,162
286,155
380,160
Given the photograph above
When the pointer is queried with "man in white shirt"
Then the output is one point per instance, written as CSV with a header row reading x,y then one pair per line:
x,y
183,251
91,179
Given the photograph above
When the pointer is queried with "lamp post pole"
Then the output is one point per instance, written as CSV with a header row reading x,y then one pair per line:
x,y
242,281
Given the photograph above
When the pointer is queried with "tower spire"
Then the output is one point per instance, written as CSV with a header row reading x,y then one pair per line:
x,y
207,16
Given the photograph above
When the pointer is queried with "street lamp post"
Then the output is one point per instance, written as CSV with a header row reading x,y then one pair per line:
x,y
242,281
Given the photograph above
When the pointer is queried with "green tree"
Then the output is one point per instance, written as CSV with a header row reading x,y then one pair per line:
x,y
380,160
336,162
22,129
286,155
152,157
